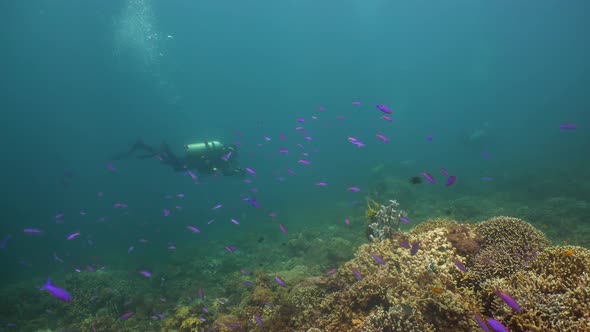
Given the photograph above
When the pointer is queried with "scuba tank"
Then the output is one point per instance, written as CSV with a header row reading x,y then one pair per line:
x,y
198,149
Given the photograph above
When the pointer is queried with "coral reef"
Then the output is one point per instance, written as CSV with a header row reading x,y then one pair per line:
x,y
452,272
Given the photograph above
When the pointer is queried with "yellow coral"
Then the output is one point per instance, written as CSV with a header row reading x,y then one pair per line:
x,y
371,211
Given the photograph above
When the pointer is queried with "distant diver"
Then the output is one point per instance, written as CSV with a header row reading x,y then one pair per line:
x,y
207,158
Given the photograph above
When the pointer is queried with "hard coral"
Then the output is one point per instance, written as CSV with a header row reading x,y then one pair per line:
x,y
553,292
507,246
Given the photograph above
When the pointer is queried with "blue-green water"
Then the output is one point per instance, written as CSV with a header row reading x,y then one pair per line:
x,y
490,82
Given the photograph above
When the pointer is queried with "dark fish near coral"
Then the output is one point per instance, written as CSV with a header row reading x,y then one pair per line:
x,y
415,247
415,180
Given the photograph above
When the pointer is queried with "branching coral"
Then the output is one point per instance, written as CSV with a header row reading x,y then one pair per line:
x,y
385,222
507,246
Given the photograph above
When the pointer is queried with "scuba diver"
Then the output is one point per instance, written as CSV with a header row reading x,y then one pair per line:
x,y
207,158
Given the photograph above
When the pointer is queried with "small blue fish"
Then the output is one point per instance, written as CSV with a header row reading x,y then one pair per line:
x,y
57,292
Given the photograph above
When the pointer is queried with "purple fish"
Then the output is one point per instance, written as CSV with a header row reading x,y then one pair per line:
x,y
231,248
415,247
383,138
283,229
130,249
321,184
304,162
404,219
248,283
460,265
356,103
58,293
201,294
386,118
353,189
258,321
216,207
444,171
568,126
251,171
111,167
428,177
481,322
280,281
356,273
59,216
5,241
383,108
235,221
378,258
404,244
73,236
165,212
508,299
194,176
497,326
450,180
252,201
193,229
127,315
146,274
32,230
